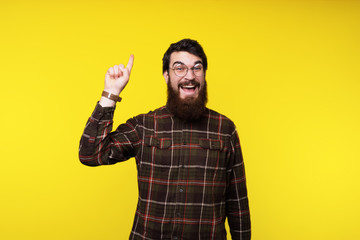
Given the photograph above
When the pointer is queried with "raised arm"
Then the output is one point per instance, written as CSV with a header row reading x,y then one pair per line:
x,y
98,145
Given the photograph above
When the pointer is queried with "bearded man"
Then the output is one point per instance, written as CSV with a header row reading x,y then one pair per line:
x,y
190,168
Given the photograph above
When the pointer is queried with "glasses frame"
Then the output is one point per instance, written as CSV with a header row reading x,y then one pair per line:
x,y
187,69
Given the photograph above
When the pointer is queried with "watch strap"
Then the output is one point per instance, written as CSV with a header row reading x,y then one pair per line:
x,y
111,96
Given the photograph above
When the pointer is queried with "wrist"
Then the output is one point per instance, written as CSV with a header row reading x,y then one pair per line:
x,y
112,91
105,102
108,99
110,95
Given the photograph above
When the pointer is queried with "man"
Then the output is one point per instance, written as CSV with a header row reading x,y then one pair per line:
x,y
190,167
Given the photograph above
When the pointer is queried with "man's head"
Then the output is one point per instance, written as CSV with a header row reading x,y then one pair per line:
x,y
186,45
184,68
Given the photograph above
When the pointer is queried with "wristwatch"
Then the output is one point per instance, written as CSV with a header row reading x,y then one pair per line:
x,y
111,96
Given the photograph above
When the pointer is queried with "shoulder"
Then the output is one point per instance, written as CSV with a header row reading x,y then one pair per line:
x,y
157,113
214,113
221,120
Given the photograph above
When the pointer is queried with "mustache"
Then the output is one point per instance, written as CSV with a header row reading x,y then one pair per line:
x,y
189,82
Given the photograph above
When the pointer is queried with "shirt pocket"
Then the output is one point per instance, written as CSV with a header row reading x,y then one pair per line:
x,y
212,144
156,151
161,143
216,154
213,152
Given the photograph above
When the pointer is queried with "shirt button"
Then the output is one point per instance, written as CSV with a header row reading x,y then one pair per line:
x,y
181,190
175,238
178,214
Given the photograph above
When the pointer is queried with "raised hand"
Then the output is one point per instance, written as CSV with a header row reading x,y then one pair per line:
x,y
118,76
116,79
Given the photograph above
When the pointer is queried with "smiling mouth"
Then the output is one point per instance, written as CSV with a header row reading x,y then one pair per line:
x,y
189,88
189,85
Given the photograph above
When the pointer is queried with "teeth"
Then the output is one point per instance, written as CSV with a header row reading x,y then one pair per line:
x,y
188,86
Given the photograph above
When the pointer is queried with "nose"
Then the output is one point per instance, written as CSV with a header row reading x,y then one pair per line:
x,y
190,74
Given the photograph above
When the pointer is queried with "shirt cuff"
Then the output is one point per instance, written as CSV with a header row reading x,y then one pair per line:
x,y
103,113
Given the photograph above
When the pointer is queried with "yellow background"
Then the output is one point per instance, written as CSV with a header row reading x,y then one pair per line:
x,y
286,72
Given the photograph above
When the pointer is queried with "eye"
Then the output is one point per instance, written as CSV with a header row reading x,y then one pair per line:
x,y
197,68
180,68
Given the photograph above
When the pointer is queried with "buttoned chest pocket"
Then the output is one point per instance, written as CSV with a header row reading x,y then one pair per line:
x,y
214,152
157,150
211,144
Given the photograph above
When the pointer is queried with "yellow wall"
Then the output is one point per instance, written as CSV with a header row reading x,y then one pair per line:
x,y
286,72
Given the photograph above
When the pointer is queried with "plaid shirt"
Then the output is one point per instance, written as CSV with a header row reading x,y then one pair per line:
x,y
190,174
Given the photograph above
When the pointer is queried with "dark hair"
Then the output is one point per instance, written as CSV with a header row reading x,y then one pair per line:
x,y
186,45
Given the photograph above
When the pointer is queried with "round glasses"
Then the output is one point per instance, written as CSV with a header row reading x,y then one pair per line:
x,y
181,70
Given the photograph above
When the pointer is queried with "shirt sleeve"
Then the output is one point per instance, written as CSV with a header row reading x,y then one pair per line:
x,y
100,146
237,206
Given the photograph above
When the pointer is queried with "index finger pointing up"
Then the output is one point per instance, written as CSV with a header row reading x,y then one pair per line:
x,y
130,63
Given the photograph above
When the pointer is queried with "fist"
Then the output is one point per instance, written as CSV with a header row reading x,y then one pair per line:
x,y
118,76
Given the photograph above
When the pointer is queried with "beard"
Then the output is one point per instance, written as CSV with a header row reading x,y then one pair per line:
x,y
190,108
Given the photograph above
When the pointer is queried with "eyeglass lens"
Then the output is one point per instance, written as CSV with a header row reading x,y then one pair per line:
x,y
181,70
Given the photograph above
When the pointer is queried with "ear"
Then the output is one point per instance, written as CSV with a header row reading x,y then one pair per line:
x,y
166,76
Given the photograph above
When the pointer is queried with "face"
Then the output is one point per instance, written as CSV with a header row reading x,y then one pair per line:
x,y
189,85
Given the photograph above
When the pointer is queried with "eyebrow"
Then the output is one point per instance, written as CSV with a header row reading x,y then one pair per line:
x,y
179,62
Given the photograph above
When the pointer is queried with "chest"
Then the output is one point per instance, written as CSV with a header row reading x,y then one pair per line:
x,y
196,148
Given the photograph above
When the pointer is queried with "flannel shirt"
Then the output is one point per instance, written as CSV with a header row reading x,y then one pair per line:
x,y
190,174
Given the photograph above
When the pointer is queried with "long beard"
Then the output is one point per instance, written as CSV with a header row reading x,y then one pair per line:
x,y
188,109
